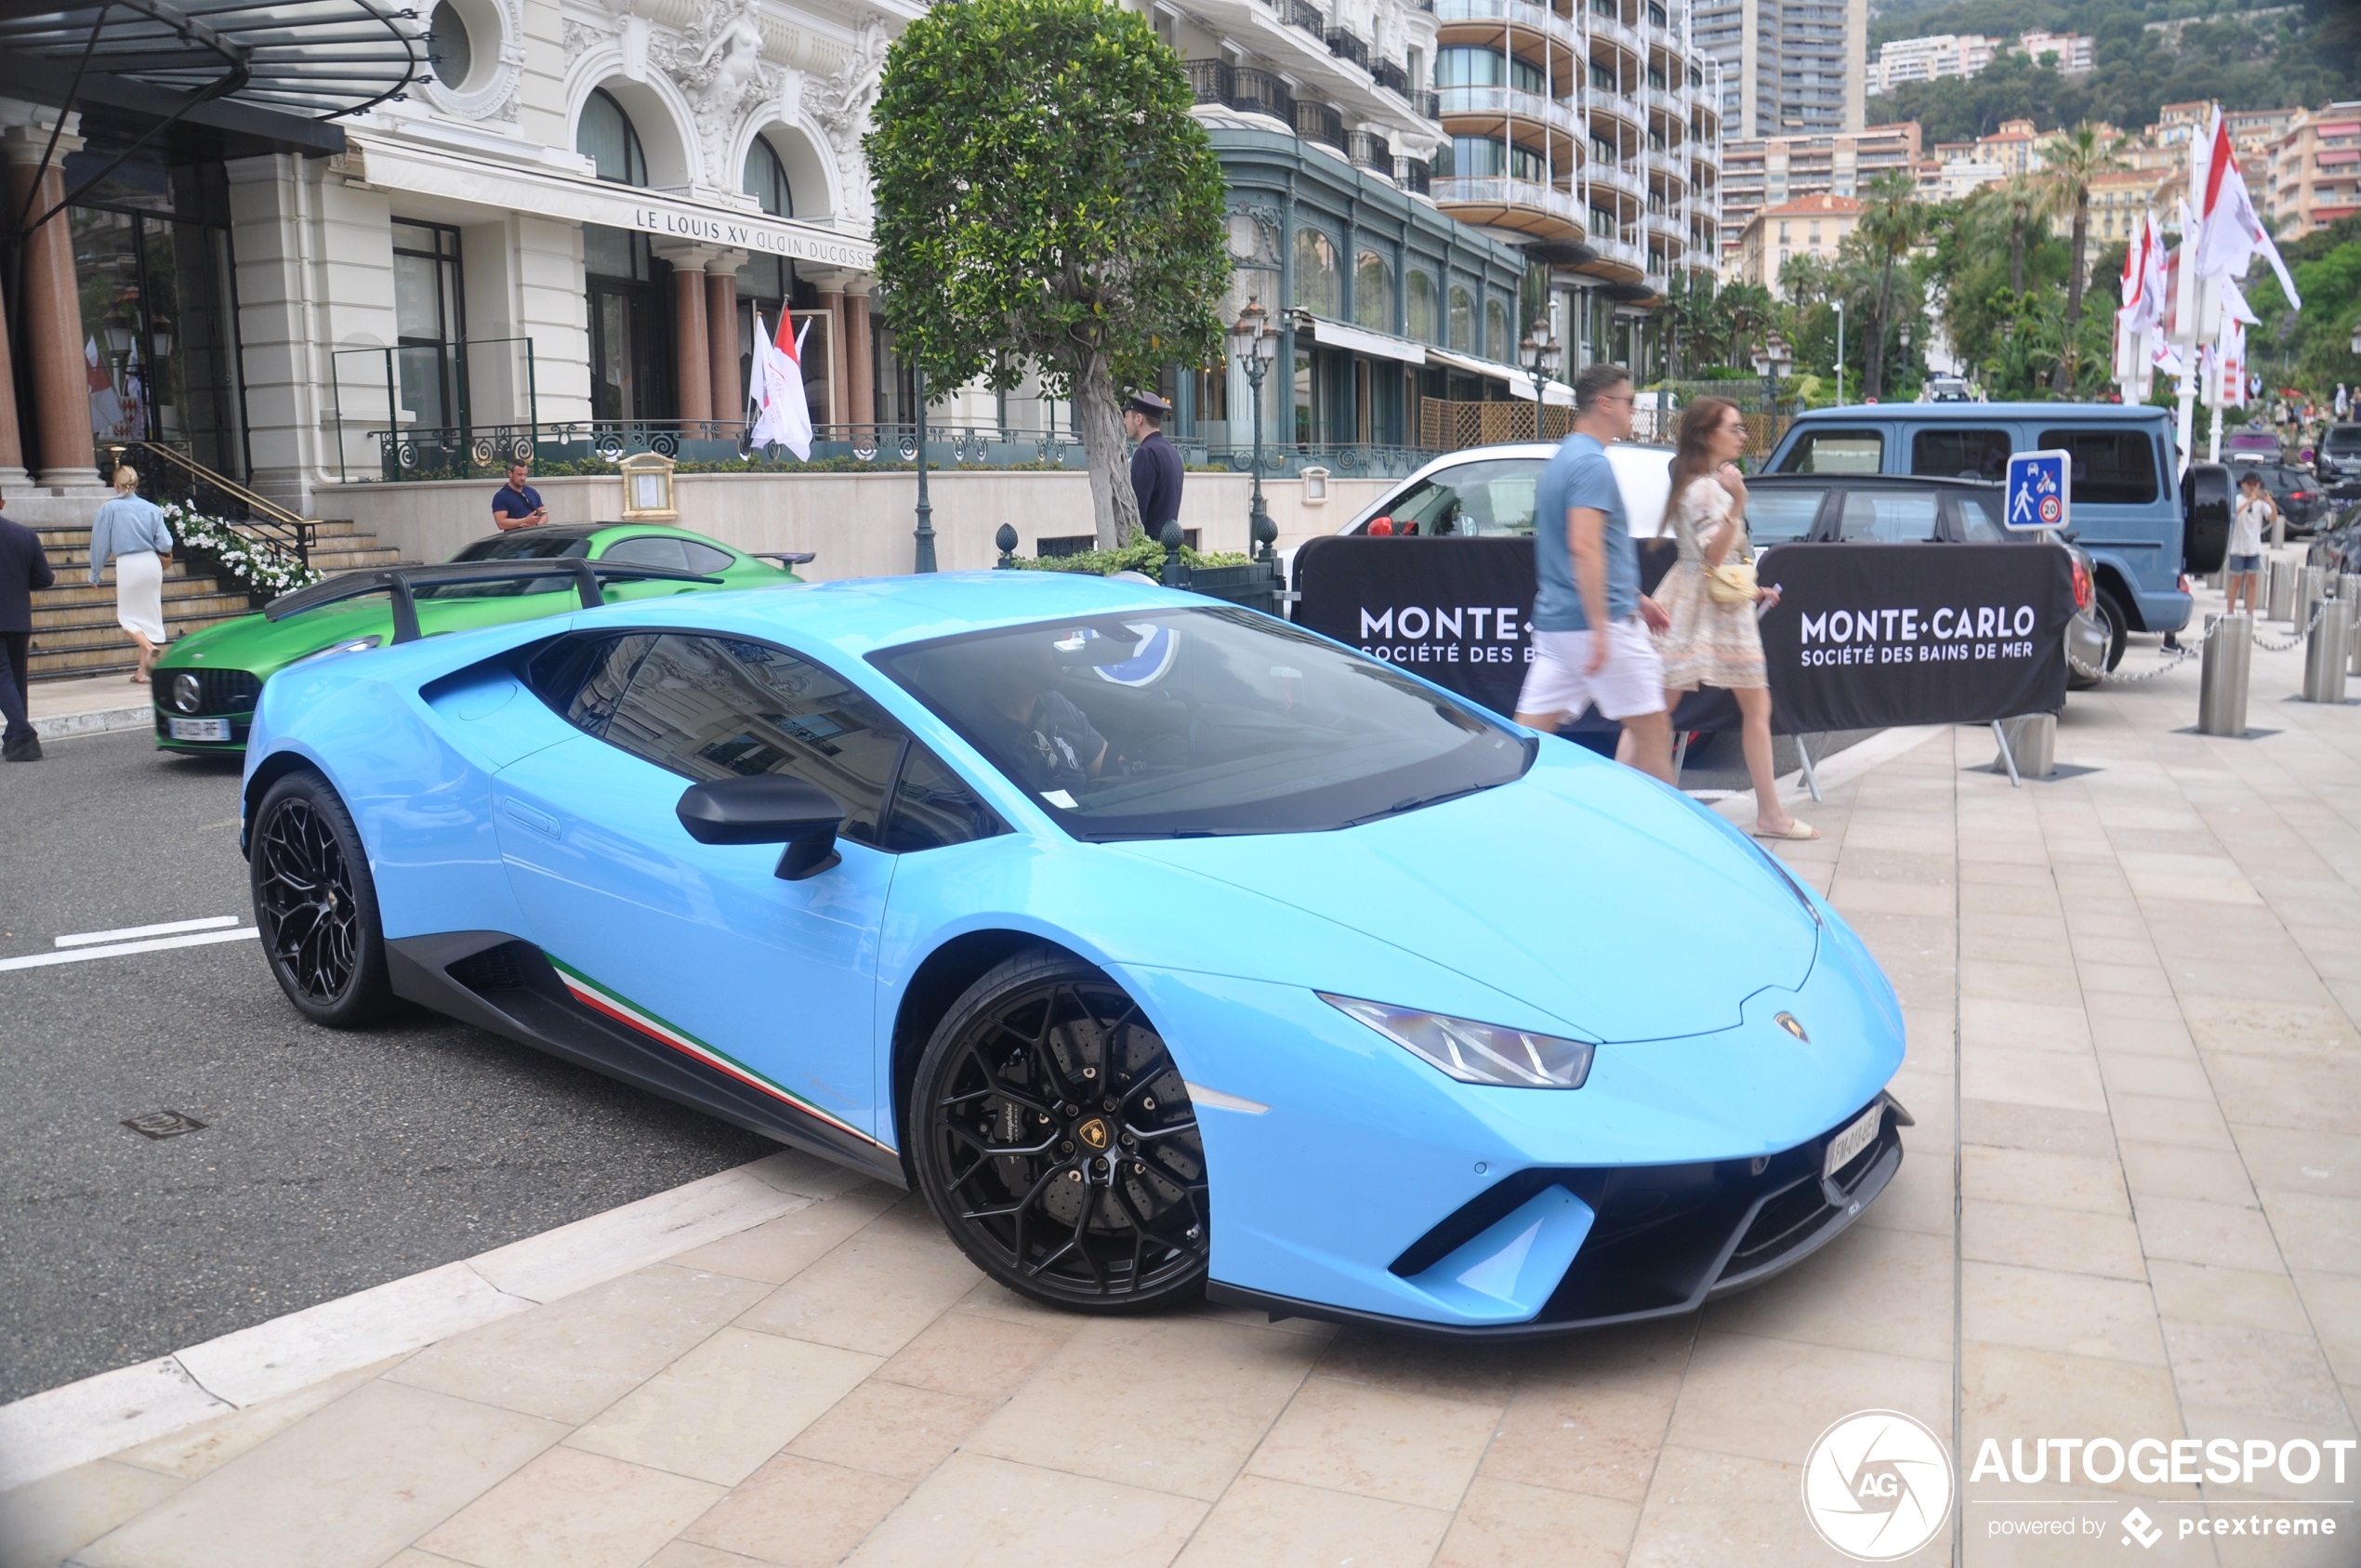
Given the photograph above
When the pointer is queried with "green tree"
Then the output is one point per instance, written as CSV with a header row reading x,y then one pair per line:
x,y
1046,198
1892,220
2070,166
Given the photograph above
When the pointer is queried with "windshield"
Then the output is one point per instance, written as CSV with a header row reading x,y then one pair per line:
x,y
520,543
1203,721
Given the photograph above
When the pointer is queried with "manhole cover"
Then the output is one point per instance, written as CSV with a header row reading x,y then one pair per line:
x,y
163,1124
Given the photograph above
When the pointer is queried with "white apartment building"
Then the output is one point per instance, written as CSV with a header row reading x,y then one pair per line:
x,y
1788,67
1926,59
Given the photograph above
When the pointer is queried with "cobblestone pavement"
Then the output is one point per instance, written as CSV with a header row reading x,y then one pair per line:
x,y
2131,1210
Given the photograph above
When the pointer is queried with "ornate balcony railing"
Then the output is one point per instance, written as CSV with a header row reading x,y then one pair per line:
x,y
1365,150
1346,44
1321,123
1413,175
1243,87
1392,77
1295,13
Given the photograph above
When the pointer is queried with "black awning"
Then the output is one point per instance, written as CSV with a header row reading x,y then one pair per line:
x,y
274,69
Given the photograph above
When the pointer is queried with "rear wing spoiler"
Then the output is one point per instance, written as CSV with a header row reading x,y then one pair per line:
x,y
786,557
590,578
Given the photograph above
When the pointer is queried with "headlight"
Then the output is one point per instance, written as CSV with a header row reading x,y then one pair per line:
x,y
1476,1053
354,646
187,694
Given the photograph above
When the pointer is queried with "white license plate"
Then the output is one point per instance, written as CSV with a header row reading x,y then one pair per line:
x,y
200,729
1846,1146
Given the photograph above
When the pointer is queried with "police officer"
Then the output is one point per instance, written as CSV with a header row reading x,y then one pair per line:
x,y
1156,467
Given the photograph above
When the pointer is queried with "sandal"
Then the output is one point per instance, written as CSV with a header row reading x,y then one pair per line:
x,y
1797,831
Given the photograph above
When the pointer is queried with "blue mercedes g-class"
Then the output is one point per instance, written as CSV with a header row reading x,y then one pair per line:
x,y
2143,522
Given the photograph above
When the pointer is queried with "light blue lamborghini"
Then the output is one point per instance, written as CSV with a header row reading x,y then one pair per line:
x,y
1166,948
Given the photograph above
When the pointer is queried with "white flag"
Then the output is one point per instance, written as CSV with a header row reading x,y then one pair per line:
x,y
786,419
2230,234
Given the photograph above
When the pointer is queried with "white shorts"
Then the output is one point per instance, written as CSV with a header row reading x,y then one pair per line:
x,y
1630,685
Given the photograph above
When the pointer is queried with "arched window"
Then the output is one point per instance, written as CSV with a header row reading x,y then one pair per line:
x,y
1462,319
605,136
1318,288
1421,307
1372,291
1499,342
766,181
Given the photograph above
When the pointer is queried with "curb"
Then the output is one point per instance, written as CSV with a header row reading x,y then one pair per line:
x,y
60,1428
94,721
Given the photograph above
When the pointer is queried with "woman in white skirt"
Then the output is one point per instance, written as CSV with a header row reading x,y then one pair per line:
x,y
1714,641
132,532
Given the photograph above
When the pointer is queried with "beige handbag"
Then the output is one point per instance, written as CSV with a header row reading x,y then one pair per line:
x,y
1733,581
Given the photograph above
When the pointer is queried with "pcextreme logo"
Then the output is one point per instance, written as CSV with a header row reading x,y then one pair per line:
x,y
1877,1486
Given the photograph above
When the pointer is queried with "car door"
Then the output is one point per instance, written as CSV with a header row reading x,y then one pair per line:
x,y
771,982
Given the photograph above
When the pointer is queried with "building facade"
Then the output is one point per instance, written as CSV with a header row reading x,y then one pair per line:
x,y
1788,67
1903,60
1766,172
2315,171
1814,226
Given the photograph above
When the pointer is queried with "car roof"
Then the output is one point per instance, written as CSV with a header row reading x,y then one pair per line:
x,y
1872,481
1968,413
856,616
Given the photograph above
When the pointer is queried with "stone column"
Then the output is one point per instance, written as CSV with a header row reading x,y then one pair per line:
x,y
692,365
722,334
63,454
13,479
859,360
833,285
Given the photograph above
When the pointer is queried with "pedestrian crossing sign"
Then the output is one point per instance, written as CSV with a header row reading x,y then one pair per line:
x,y
2040,489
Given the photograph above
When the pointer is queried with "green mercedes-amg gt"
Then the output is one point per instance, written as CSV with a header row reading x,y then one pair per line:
x,y
205,685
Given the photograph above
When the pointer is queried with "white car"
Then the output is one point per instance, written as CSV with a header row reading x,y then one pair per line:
x,y
1488,491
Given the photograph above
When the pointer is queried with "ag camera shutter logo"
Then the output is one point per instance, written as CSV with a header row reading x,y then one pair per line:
x,y
1877,1486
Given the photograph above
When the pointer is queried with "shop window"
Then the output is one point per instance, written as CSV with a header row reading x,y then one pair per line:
x,y
1372,291
605,136
1318,288
1421,307
1462,319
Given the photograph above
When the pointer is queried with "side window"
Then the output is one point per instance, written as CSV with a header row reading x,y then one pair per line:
x,y
1961,454
705,559
597,676
933,807
1493,497
2110,466
1782,516
709,707
1980,520
1885,518
649,549
1836,452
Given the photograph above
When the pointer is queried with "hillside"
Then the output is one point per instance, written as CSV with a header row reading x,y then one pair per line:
x,y
2288,54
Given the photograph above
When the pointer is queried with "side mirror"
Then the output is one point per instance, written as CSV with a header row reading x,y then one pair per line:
x,y
767,808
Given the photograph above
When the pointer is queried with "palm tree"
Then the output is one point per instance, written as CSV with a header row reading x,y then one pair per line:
x,y
1892,220
2022,198
2073,162
1746,308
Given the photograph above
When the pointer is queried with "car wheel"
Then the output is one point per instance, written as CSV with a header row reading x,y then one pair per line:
x,y
316,904
2119,623
1056,1141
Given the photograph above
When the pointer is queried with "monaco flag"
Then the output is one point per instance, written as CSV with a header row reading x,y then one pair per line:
x,y
2229,234
785,417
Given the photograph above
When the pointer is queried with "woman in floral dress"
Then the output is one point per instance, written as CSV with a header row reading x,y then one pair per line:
x,y
1710,642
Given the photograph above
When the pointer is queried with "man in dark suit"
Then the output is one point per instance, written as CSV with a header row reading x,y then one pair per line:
x,y
24,567
1155,467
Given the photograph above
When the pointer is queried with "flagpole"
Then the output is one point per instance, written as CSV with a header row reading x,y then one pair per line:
x,y
2185,307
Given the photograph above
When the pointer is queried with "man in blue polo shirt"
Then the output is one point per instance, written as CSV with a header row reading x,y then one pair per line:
x,y
517,504
1590,623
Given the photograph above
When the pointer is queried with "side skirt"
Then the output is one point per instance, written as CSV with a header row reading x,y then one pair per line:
x,y
508,987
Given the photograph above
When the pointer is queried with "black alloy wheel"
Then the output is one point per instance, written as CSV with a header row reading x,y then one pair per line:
x,y
316,905
1056,1141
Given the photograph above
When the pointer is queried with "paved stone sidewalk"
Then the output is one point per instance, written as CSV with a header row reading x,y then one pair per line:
x,y
2148,1135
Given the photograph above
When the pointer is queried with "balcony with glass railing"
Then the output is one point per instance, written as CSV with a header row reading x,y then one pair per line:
x,y
1607,101
1526,205
1496,107
1615,179
1605,26
1519,14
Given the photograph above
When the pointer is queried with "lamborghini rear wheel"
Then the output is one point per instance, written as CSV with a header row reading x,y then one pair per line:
x,y
316,904
1056,1141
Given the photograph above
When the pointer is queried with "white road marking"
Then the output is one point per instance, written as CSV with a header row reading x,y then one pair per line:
x,y
129,933
116,950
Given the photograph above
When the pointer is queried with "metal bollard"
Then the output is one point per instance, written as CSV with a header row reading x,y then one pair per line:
x,y
2349,589
2222,681
2032,740
2312,587
2324,656
2279,590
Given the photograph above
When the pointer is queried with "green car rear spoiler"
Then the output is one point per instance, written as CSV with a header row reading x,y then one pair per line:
x,y
590,578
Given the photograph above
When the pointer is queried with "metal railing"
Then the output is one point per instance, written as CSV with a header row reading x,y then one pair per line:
x,y
1489,189
1518,13
167,473
1347,45
1511,102
1414,175
1392,77
490,384
1367,150
1321,123
1295,13
415,455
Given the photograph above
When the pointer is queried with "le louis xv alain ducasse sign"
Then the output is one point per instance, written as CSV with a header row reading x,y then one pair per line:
x,y
772,239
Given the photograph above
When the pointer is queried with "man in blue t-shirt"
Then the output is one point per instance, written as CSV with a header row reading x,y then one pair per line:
x,y
1590,623
517,504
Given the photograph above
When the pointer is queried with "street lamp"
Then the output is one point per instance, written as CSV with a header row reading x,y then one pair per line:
x,y
1839,304
925,531
1253,343
1772,360
1906,344
1541,356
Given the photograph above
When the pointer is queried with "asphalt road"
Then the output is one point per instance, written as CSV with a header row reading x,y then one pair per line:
x,y
329,1162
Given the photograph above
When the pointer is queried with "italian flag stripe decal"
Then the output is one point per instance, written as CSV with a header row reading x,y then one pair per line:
x,y
599,999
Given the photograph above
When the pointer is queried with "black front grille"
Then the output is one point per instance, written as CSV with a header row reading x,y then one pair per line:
x,y
218,692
